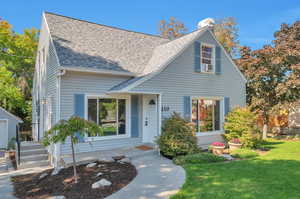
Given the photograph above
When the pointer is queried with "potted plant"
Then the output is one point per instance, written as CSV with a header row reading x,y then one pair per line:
x,y
218,148
234,143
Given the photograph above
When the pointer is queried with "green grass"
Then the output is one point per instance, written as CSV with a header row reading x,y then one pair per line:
x,y
275,175
244,153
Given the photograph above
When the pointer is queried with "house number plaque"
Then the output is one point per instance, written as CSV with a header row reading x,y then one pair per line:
x,y
165,108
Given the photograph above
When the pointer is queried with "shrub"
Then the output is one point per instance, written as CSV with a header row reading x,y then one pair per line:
x,y
11,144
198,158
244,153
177,138
241,123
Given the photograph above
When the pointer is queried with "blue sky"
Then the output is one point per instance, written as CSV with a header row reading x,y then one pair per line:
x,y
257,19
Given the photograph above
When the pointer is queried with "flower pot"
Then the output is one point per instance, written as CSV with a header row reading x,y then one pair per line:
x,y
218,150
233,146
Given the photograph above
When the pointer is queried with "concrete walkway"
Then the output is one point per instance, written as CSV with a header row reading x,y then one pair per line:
x,y
158,178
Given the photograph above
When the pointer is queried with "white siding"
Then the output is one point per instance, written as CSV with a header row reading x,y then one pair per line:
x,y
89,84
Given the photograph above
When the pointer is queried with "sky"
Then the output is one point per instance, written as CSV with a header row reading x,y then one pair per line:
x,y
257,19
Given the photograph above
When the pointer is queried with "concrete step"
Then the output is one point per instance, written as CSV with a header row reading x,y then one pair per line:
x,y
31,147
33,152
31,164
35,157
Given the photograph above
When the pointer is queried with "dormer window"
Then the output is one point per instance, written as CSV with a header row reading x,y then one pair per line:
x,y
207,58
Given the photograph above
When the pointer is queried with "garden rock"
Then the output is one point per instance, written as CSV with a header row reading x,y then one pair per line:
x,y
114,171
106,159
227,156
56,197
43,175
101,183
91,165
125,160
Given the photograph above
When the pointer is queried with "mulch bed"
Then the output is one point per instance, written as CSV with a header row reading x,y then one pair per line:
x,y
31,187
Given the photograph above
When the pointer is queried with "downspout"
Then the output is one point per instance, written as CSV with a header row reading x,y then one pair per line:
x,y
57,146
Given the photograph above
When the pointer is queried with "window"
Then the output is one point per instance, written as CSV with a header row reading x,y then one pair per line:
x,y
108,113
207,58
206,115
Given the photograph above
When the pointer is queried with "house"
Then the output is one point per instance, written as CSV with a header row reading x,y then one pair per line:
x,y
294,117
8,127
129,82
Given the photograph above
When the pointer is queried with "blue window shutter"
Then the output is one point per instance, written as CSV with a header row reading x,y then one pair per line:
x,y
218,59
134,116
226,105
197,56
79,110
187,107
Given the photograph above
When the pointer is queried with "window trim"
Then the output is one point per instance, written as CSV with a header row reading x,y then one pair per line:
x,y
213,58
222,114
128,113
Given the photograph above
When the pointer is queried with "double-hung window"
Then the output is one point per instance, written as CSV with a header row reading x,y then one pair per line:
x,y
206,114
109,113
207,58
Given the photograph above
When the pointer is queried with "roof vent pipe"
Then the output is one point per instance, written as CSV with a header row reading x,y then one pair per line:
x,y
208,22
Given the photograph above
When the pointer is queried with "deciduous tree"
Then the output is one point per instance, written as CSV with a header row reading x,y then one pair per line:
x,y
273,73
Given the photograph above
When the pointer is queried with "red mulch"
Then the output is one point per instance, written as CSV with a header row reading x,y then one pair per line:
x,y
31,187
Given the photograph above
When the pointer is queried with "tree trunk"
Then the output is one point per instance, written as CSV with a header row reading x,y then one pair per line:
x,y
265,127
74,161
265,130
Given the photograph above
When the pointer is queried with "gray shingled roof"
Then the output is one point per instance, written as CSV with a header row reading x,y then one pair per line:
x,y
162,55
84,44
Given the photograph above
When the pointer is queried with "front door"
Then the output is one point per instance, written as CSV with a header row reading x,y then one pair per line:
x,y
150,118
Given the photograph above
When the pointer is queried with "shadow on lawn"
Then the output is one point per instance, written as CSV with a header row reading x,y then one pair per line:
x,y
243,180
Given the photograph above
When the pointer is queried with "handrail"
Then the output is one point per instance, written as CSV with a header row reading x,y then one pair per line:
x,y
18,146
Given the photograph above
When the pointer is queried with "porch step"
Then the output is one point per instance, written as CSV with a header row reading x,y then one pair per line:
x,y
35,157
32,147
33,152
31,164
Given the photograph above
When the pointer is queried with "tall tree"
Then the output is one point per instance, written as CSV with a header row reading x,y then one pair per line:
x,y
17,55
225,30
273,73
171,29
11,97
18,51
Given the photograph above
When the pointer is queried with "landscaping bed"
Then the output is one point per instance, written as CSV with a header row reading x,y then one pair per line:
x,y
31,186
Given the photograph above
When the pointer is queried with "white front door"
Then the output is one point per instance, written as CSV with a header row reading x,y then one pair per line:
x,y
3,134
150,118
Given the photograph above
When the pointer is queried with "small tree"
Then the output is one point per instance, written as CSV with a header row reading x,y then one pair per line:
x,y
241,123
74,128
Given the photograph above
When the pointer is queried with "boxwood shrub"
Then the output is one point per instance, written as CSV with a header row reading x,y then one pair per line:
x,y
177,137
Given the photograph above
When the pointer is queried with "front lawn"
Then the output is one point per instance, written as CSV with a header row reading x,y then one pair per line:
x,y
273,175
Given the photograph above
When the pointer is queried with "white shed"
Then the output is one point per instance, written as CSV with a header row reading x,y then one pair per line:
x,y
8,123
